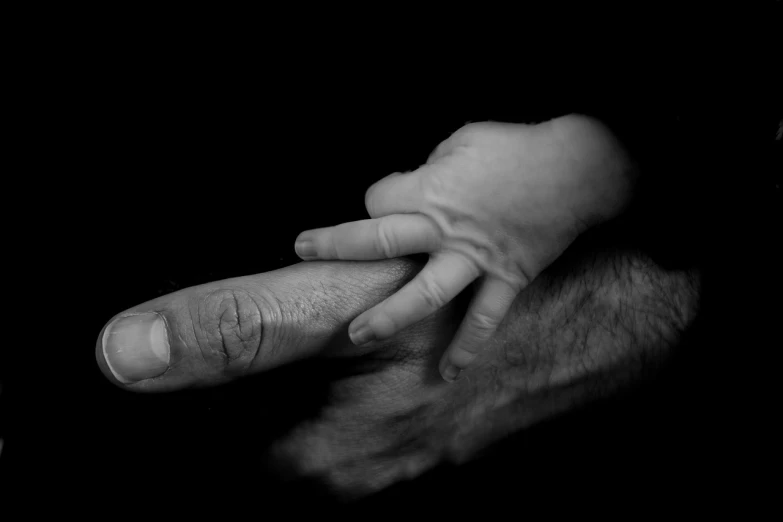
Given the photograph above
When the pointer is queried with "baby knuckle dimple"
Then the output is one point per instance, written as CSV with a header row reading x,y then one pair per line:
x,y
231,322
432,185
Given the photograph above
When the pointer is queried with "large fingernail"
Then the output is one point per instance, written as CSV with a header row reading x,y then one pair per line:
x,y
136,347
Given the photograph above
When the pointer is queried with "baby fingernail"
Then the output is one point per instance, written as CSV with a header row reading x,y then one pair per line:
x,y
136,347
450,373
361,335
305,249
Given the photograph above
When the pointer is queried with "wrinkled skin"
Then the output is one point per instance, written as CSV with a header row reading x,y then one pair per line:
x,y
590,324
494,201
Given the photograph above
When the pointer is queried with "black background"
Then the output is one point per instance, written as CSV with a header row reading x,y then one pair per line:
x,y
174,165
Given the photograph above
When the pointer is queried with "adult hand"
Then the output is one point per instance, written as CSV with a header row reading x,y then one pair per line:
x,y
581,330
494,204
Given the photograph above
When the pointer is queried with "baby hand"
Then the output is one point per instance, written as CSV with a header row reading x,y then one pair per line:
x,y
497,203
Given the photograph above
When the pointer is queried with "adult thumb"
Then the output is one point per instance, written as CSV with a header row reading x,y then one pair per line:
x,y
208,334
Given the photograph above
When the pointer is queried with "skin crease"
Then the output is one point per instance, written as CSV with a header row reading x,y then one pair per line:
x,y
579,332
495,201
568,339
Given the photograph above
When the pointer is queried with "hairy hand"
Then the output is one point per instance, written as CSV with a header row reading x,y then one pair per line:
x,y
588,326
582,329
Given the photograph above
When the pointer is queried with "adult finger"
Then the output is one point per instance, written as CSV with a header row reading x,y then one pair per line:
x,y
213,333
442,279
382,238
486,312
